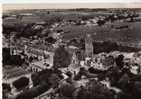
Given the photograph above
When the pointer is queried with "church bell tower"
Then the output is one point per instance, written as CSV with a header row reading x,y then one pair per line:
x,y
88,46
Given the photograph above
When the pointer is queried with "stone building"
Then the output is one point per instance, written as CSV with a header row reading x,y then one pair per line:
x,y
88,46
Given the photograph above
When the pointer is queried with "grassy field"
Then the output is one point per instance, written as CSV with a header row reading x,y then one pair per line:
x,y
106,32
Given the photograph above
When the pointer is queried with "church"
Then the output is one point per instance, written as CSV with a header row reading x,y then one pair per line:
x,y
88,46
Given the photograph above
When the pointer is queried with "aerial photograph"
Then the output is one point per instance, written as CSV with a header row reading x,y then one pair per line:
x,y
72,53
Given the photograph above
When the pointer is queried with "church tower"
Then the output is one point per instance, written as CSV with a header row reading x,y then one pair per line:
x,y
12,43
88,46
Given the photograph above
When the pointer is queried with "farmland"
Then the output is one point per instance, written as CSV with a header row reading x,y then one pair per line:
x,y
109,31
106,32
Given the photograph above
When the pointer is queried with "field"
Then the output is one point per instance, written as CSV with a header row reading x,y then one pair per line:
x,y
126,35
130,35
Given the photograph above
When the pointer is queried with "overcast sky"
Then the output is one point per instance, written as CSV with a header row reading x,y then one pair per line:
x,y
63,4
45,1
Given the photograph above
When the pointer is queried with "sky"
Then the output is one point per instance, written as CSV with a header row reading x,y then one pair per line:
x,y
69,5
54,1
63,4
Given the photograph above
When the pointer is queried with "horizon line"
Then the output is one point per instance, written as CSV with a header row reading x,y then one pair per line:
x,y
17,6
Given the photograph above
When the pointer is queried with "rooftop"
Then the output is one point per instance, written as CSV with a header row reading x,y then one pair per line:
x,y
13,72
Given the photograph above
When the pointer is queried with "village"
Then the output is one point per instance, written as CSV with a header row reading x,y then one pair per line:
x,y
49,59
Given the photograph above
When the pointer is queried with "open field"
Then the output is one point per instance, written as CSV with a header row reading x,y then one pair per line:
x,y
131,34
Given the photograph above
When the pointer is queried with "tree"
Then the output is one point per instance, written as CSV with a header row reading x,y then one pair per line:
x,y
62,57
119,61
66,90
5,55
6,87
101,22
44,80
95,90
33,92
51,40
41,76
11,59
5,90
35,79
16,60
21,83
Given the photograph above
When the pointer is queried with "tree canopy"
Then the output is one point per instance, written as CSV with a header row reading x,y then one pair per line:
x,y
61,57
21,83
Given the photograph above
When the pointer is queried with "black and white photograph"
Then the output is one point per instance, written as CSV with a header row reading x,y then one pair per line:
x,y
54,51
